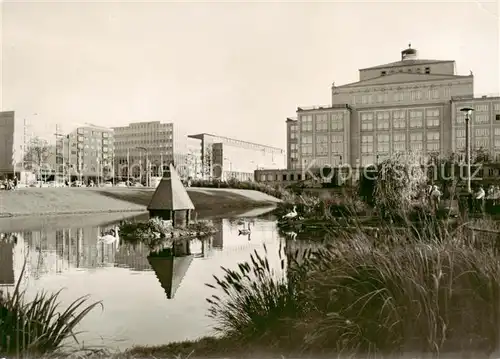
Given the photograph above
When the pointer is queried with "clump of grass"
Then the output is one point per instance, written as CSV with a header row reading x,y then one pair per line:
x,y
258,303
38,327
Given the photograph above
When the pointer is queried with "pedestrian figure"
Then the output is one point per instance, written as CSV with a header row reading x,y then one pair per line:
x,y
479,199
435,198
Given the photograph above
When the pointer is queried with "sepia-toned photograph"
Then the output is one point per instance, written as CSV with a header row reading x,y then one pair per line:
x,y
250,179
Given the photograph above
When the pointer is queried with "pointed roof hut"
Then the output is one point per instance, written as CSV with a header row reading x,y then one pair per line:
x,y
170,197
170,271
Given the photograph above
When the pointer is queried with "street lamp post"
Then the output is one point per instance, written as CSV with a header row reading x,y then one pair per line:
x,y
468,112
147,161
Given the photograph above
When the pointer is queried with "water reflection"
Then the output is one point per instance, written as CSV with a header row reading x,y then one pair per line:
x,y
132,282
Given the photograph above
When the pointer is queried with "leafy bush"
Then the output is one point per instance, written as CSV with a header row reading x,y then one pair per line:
x,y
156,233
400,180
37,327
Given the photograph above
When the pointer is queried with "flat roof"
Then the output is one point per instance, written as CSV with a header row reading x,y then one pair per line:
x,y
201,135
320,108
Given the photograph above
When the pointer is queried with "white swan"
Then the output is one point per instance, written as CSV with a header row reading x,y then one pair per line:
x,y
110,237
292,214
244,230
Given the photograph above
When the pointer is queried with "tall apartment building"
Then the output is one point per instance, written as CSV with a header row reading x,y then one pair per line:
x,y
158,143
7,139
226,158
86,153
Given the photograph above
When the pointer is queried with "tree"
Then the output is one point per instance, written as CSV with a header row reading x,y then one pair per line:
x,y
400,180
208,162
37,153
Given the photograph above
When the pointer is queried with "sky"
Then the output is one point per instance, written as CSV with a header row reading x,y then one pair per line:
x,y
236,69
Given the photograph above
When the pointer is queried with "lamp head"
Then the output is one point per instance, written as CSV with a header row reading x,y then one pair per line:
x,y
467,110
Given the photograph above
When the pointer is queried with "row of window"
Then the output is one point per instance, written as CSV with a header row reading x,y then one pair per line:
x,y
479,142
308,139
383,147
477,118
484,107
478,132
399,114
322,149
323,122
400,96
86,131
400,123
401,137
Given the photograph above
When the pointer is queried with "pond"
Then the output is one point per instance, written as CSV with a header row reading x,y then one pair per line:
x,y
137,310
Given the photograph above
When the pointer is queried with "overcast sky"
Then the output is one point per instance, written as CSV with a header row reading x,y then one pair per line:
x,y
232,68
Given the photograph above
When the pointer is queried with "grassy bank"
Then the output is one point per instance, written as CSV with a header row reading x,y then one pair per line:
x,y
59,201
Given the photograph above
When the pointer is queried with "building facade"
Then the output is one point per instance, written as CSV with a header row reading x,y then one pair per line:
x,y
7,142
85,153
409,105
144,148
224,158
484,125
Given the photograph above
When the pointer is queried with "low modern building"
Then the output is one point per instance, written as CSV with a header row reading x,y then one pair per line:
x,y
226,158
86,153
155,145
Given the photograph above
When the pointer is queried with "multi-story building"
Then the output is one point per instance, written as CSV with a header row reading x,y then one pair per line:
x,y
484,125
155,145
7,139
226,158
86,153
401,106
411,104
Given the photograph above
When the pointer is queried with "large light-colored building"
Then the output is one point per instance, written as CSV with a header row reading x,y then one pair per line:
x,y
400,106
396,107
158,144
411,104
7,142
86,153
225,158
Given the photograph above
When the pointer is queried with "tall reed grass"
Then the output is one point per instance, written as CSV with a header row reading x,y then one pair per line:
x,y
37,327
426,289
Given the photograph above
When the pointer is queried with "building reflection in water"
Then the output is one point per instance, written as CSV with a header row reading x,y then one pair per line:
x,y
218,237
7,277
50,251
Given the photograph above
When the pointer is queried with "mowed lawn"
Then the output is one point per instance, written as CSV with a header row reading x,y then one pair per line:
x,y
45,201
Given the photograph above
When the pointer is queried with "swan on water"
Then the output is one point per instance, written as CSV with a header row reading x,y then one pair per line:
x,y
244,230
292,214
109,238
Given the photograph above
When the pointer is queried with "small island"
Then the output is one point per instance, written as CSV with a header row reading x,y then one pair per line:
x,y
165,224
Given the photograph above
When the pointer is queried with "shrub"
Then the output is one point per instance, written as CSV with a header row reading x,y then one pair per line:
x,y
156,233
258,302
275,191
400,180
37,327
